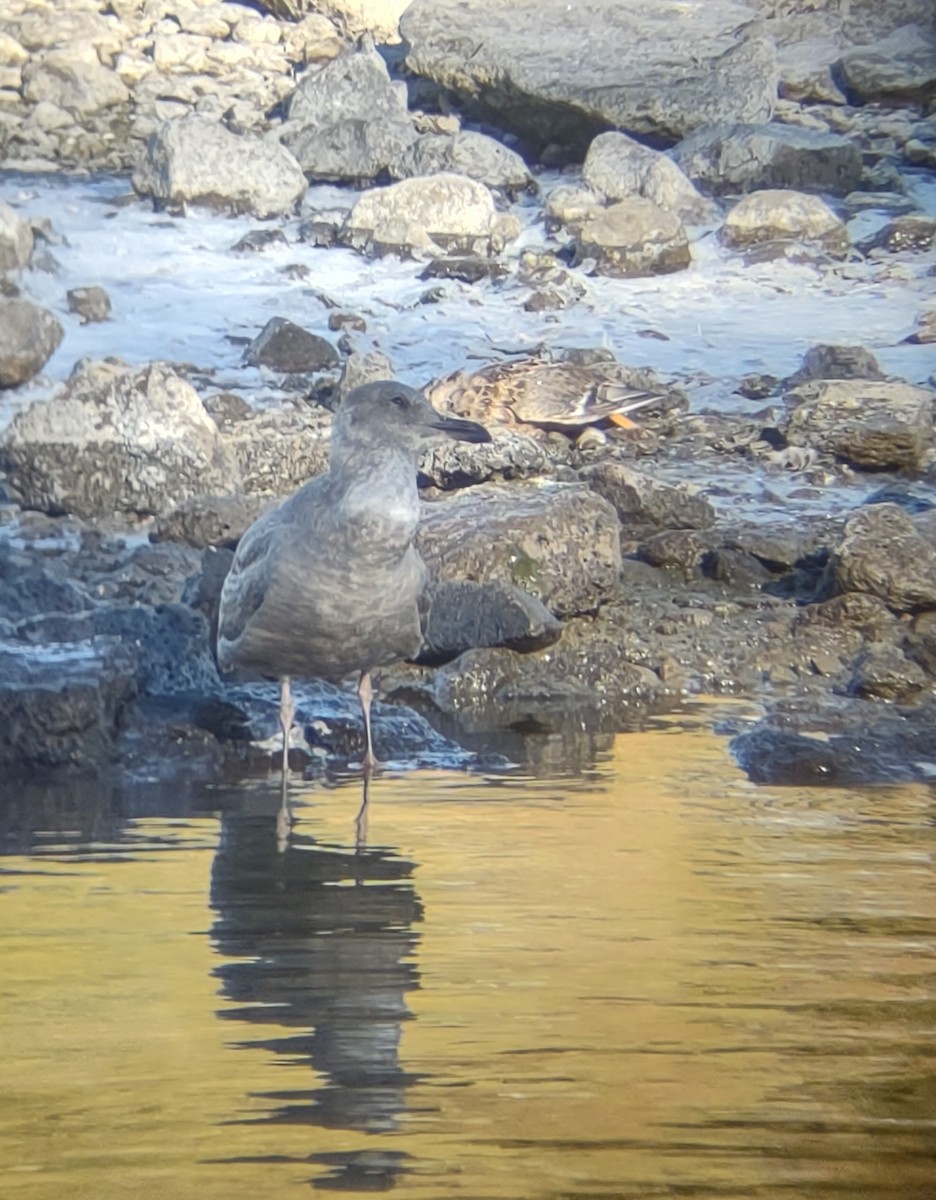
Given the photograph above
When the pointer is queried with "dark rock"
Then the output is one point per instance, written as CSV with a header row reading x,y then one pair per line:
x,y
620,65
643,503
544,300
835,362
290,349
29,336
559,543
338,322
258,240
785,759
882,672
89,304
464,615
467,268
913,232
920,644
676,549
726,159
61,706
883,553
869,423
900,67
226,408
210,520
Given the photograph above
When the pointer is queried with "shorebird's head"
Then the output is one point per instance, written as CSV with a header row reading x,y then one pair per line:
x,y
391,413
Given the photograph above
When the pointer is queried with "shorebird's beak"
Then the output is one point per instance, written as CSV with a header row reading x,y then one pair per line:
x,y
461,430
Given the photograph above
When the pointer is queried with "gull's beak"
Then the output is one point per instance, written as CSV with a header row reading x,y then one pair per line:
x,y
458,428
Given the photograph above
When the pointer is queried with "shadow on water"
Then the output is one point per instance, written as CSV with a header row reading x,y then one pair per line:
x,y
321,940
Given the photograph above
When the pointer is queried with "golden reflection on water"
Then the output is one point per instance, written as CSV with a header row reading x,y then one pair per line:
x,y
654,980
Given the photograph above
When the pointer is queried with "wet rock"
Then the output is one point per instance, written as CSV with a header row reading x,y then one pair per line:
x,y
631,238
899,67
258,240
115,440
920,642
872,424
725,159
783,758
559,543
29,586
61,706
467,268
835,362
617,167
465,615
920,148
643,503
211,520
780,216
428,213
571,206
89,304
288,348
645,70
884,554
509,455
466,153
925,332
277,452
29,336
195,160
912,232
679,550
882,672
16,240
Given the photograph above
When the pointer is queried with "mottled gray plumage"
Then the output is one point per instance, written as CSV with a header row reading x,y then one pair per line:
x,y
328,584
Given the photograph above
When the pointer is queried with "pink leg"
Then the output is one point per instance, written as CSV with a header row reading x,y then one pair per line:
x,y
366,695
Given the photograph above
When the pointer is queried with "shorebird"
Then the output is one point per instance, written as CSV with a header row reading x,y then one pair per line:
x,y
328,584
529,391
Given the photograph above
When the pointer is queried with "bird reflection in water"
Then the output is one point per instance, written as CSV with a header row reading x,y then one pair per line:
x,y
321,941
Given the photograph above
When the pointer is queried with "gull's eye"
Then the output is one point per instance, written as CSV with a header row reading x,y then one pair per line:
x,y
400,401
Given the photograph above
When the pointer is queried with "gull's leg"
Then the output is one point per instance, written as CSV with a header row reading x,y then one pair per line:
x,y
360,821
287,711
366,695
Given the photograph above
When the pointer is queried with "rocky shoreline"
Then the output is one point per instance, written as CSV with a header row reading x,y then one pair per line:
x,y
580,583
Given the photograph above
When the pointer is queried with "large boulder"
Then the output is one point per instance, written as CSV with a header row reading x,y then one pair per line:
x,y
559,543
725,158
633,237
557,74
783,216
116,440
196,160
78,87
29,336
465,153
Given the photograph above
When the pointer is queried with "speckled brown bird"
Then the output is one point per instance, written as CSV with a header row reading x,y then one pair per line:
x,y
549,395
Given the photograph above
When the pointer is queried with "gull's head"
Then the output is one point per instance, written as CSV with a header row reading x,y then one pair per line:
x,y
392,414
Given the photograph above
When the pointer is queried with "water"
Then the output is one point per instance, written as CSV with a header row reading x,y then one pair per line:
x,y
645,977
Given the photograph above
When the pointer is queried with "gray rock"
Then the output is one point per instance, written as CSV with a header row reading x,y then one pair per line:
x,y
920,642
465,153
835,362
89,304
16,240
873,424
723,158
427,214
617,167
60,706
509,455
196,160
643,503
780,217
349,151
561,75
913,232
920,149
205,521
925,332
288,348
882,672
631,238
464,615
277,452
29,336
900,67
116,440
79,87
559,543
883,553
